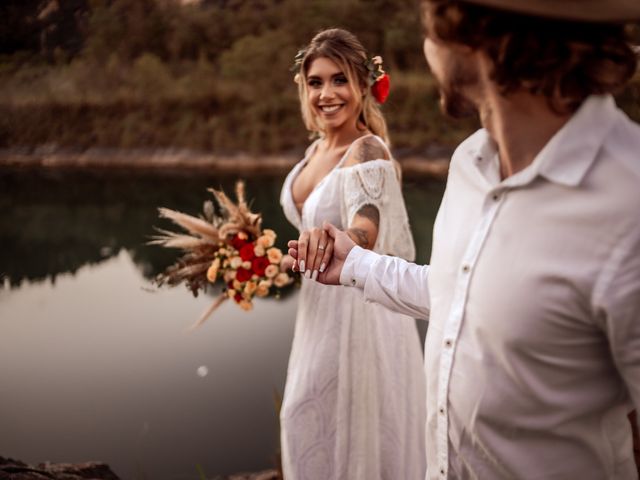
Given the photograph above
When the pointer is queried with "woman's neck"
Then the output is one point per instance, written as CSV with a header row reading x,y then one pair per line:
x,y
342,137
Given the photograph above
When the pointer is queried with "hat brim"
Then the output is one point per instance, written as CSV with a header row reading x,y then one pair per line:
x,y
605,11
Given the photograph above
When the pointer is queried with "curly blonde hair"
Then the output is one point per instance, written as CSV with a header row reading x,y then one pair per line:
x,y
343,48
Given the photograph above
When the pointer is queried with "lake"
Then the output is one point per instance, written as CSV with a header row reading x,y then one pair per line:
x,y
95,363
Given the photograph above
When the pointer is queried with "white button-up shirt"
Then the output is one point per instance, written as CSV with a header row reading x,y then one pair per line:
x,y
532,354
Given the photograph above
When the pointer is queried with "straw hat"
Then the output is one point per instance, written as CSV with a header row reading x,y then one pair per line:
x,y
609,11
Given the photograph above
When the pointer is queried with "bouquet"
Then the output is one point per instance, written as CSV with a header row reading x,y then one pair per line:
x,y
229,249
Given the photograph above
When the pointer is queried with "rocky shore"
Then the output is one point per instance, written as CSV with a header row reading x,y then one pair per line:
x,y
11,469
187,160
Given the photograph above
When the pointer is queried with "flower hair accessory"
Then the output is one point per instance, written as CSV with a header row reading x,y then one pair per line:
x,y
378,79
297,64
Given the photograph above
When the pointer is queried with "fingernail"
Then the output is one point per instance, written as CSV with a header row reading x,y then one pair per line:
x,y
307,274
314,275
302,266
294,268
322,267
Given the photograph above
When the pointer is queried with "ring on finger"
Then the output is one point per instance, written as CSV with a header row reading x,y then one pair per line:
x,y
321,247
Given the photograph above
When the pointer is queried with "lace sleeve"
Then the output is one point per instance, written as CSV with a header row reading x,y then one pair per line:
x,y
375,183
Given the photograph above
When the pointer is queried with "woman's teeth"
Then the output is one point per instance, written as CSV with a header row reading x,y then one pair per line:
x,y
330,108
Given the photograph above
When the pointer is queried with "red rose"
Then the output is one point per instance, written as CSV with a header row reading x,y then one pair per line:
x,y
238,242
246,252
380,89
242,275
237,297
259,265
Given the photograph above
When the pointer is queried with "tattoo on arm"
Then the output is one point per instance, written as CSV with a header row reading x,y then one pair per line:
x,y
371,213
360,236
369,149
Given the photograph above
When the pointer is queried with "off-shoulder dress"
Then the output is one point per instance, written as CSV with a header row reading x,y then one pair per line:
x,y
354,400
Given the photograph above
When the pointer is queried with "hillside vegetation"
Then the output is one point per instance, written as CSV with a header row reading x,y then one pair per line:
x,y
211,75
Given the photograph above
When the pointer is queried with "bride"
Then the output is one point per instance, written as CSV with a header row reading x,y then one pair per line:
x,y
354,398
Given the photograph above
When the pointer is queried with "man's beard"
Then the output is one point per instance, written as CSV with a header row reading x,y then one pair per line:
x,y
453,102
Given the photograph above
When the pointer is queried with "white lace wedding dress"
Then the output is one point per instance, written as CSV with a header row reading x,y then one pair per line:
x,y
354,401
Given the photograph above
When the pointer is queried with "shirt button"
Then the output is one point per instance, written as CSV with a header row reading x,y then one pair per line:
x,y
496,197
442,472
353,282
466,268
441,410
448,343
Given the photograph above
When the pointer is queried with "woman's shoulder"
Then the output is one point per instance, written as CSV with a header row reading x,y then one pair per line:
x,y
366,149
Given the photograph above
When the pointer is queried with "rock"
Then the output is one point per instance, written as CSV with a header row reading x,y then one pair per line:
x,y
266,475
11,469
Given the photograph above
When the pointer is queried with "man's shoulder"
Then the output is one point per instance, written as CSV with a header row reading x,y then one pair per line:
x,y
473,146
622,145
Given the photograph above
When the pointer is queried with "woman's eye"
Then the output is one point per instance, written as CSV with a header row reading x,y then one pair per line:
x,y
341,80
314,83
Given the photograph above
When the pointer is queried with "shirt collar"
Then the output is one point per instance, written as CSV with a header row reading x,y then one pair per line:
x,y
566,158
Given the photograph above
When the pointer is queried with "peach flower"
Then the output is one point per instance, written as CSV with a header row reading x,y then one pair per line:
x,y
274,255
271,271
281,280
250,287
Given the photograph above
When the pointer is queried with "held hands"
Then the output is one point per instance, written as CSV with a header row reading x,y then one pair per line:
x,y
320,253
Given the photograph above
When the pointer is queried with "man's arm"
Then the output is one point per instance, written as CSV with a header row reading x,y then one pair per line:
x,y
616,300
399,285
393,282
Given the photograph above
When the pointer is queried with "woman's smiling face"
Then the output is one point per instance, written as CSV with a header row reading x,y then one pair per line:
x,y
331,97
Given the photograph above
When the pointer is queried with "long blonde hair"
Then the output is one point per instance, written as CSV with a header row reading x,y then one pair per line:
x,y
343,48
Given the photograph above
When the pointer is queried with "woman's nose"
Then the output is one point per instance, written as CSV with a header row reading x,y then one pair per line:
x,y
327,90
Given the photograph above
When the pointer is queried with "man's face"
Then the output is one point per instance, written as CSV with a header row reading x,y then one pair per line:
x,y
456,76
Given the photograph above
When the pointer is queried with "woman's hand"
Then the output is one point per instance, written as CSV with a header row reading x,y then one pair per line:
x,y
313,249
324,265
287,263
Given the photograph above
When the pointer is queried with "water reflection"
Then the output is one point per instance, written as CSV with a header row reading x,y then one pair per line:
x,y
94,366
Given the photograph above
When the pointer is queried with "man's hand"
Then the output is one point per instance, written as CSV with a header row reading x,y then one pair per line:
x,y
327,261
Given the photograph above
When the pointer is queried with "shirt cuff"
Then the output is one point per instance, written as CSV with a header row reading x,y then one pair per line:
x,y
356,267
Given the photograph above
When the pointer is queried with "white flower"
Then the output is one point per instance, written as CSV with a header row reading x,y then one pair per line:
x,y
259,250
236,262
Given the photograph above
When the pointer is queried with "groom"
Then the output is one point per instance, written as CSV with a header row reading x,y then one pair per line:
x,y
533,291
